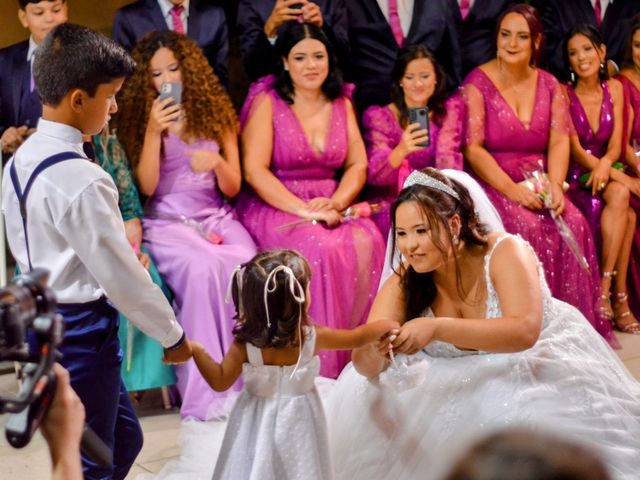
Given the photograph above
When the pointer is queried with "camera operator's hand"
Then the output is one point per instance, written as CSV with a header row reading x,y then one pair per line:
x,y
179,355
62,428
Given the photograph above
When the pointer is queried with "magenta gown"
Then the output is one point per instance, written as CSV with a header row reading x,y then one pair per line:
x,y
632,101
345,261
596,143
197,270
383,133
518,149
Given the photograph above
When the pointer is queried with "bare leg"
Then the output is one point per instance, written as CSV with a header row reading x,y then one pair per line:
x,y
613,223
624,319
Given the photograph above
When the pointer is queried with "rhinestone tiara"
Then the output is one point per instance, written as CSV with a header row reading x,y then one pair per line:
x,y
419,178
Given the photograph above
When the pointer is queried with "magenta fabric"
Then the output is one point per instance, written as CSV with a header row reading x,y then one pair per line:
x,y
517,148
346,261
196,270
596,143
632,104
383,133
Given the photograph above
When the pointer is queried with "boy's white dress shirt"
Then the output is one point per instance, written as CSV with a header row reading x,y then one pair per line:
x,y
77,233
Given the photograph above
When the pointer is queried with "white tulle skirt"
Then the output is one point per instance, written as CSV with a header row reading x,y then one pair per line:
x,y
570,383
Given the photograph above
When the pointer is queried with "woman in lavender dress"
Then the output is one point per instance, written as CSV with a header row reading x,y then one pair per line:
x,y
630,79
185,158
518,122
305,161
595,105
394,145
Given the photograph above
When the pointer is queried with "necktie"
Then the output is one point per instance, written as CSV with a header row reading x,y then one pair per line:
x,y
394,21
597,10
465,7
176,18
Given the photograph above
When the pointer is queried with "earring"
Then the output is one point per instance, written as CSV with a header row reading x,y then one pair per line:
x,y
603,70
455,240
286,67
572,76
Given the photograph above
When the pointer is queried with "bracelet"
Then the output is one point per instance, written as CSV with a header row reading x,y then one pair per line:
x,y
178,344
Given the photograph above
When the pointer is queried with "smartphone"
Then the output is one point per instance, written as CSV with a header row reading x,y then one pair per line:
x,y
296,6
171,89
421,115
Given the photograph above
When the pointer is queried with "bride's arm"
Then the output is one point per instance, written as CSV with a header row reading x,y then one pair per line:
x,y
388,305
515,277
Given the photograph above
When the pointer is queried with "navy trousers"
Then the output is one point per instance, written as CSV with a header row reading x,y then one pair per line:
x,y
91,352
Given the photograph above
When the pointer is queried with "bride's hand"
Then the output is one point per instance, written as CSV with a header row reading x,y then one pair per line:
x,y
415,335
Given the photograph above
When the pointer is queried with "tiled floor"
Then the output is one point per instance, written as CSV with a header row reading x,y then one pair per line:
x,y
161,430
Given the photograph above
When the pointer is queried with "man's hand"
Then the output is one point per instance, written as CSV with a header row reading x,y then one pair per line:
x,y
13,137
181,355
281,14
62,428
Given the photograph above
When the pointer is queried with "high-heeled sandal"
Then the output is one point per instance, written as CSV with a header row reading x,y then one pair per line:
x,y
632,328
604,307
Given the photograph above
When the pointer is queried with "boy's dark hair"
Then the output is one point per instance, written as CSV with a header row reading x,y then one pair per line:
x,y
24,3
71,57
284,311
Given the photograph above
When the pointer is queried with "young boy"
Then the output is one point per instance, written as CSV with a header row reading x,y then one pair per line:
x,y
19,104
71,225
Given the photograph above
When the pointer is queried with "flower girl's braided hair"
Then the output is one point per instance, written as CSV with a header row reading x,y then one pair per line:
x,y
440,198
269,293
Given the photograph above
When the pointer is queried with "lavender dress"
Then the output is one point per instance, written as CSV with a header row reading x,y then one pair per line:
x,y
346,261
518,148
197,270
632,103
595,143
383,133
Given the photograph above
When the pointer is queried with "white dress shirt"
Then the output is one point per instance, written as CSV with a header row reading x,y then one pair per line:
x,y
166,6
405,12
77,233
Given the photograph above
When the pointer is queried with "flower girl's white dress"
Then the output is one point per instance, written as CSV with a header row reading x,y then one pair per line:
x,y
570,382
277,429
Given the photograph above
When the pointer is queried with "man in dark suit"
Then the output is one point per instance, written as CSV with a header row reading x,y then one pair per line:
x,y
20,106
260,20
375,43
560,16
205,24
477,30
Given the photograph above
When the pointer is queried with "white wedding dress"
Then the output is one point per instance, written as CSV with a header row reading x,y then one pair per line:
x,y
570,383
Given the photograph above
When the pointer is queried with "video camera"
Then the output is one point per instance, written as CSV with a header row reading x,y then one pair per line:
x,y
27,306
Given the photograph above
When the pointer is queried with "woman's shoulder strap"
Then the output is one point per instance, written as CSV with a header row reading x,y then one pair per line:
x,y
254,354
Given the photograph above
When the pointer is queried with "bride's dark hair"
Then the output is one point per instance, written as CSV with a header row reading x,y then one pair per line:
x,y
437,207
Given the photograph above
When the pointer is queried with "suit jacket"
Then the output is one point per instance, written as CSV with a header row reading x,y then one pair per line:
x,y
206,25
260,56
476,33
18,105
374,49
560,16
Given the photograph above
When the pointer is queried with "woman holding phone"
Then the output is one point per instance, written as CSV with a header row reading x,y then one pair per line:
x,y
306,163
419,128
519,123
184,154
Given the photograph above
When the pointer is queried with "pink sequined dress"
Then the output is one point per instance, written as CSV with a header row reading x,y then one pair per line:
x,y
518,149
632,104
346,261
383,133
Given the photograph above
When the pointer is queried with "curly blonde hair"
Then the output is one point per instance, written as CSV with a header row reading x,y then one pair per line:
x,y
209,113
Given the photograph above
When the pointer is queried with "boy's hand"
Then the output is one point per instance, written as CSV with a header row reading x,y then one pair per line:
x,y
178,356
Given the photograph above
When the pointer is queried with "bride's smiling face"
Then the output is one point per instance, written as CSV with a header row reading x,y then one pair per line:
x,y
414,238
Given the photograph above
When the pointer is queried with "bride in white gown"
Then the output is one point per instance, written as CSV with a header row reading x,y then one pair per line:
x,y
482,346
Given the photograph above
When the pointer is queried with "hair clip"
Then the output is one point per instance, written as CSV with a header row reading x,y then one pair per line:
x,y
419,178
237,275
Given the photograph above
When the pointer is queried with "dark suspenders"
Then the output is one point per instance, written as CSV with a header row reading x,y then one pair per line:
x,y
22,195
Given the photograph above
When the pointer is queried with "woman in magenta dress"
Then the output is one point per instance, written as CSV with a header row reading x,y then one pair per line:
x,y
595,105
630,79
305,160
185,158
518,122
394,145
